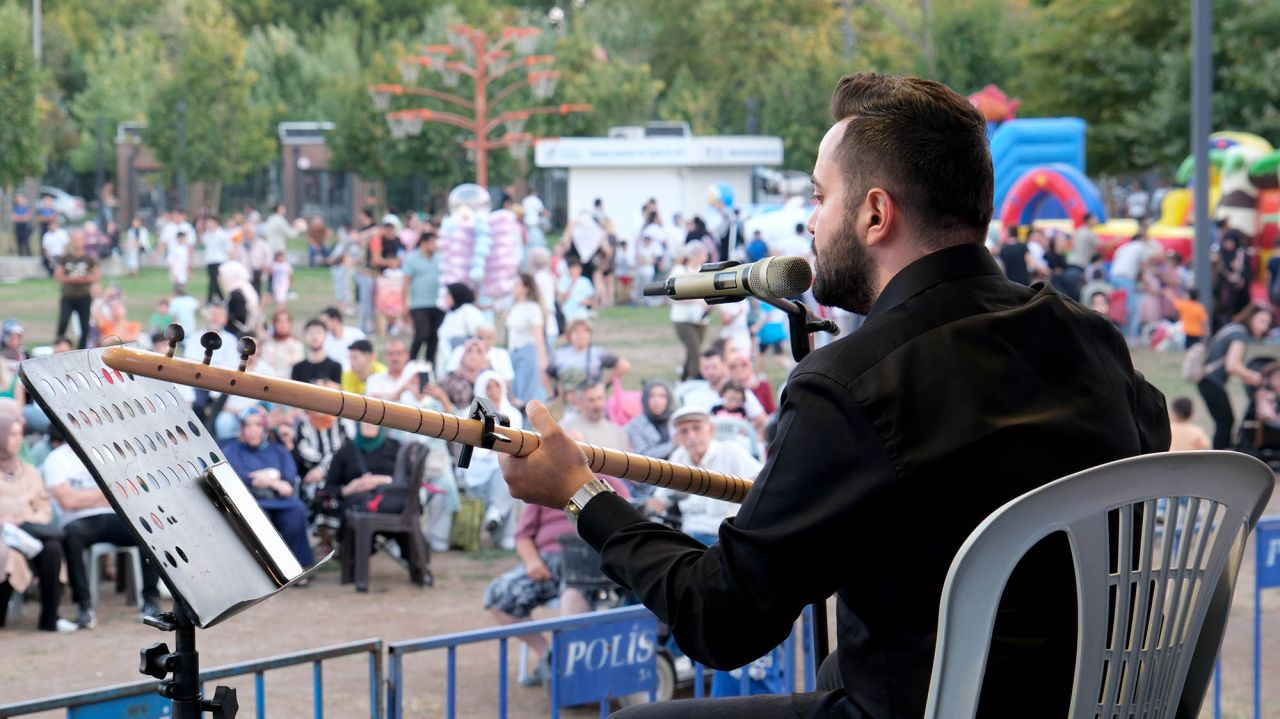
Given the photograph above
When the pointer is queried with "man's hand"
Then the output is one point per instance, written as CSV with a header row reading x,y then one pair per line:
x,y
314,475
554,471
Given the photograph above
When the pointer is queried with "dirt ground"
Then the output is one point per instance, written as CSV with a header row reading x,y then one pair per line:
x,y
34,664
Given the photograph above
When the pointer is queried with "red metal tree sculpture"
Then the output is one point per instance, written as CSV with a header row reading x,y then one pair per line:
x,y
484,60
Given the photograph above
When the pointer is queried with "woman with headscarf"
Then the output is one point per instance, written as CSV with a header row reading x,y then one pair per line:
x,y
461,321
649,431
242,298
271,475
459,384
483,478
23,501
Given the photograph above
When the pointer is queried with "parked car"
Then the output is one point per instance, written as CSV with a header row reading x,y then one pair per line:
x,y
70,207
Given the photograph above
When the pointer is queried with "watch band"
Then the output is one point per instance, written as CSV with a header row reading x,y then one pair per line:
x,y
579,500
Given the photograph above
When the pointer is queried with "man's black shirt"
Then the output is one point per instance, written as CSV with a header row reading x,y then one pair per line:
x,y
308,371
961,391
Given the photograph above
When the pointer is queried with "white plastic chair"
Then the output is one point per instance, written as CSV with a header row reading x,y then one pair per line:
x,y
732,429
1188,551
101,549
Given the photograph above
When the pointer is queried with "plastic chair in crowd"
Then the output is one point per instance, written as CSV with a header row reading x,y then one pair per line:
x,y
1149,631
92,557
732,429
356,543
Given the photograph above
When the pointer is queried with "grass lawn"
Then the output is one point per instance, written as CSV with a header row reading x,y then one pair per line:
x,y
643,335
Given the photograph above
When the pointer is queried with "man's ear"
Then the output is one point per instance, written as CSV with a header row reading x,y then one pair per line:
x,y
879,214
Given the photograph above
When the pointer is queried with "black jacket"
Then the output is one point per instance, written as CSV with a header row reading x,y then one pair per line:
x,y
961,391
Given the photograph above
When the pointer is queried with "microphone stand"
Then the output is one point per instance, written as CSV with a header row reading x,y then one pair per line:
x,y
801,324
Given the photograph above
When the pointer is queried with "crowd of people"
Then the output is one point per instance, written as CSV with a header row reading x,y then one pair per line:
x,y
422,342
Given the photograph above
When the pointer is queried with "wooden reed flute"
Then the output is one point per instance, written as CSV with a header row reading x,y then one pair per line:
x,y
362,408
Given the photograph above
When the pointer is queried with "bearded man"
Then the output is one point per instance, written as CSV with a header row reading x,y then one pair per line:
x,y
961,391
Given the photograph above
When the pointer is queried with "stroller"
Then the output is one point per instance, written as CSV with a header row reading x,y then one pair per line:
x,y
1256,437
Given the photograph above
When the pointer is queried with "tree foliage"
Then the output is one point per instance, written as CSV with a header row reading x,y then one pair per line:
x,y
113,93
225,133
20,147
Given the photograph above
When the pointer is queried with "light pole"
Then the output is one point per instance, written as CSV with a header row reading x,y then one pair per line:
x,y
484,60
182,154
1201,93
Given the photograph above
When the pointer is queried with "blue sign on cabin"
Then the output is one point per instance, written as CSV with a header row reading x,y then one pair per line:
x,y
606,660
143,706
1268,547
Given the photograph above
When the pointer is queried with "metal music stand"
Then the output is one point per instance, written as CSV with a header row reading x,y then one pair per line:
x,y
190,514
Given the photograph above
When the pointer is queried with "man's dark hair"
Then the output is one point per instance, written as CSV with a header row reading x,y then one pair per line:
x,y
710,352
589,383
598,202
1181,407
1088,217
313,322
364,346
1193,294
63,339
924,144
800,228
332,313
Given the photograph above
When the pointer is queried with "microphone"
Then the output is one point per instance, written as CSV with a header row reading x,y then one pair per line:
x,y
770,278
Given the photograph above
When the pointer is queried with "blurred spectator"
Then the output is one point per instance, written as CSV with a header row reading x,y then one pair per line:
x,y
339,337
588,361
184,308
540,267
137,240
689,316
161,318
113,320
53,242
363,363
461,322
277,231
1126,266
280,348
11,336
1193,316
499,358
316,363
1225,358
533,211
317,438
175,222
742,372
77,273
179,258
258,258
459,384
650,431
360,469
217,249
590,423
1186,436
21,215
705,393
1013,256
574,292
732,398
381,254
24,506
483,477
317,240
242,299
526,343
400,376
422,293
86,517
342,260
539,578
694,435
281,279
271,475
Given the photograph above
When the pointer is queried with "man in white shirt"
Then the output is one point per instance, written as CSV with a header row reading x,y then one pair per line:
x,y
177,222
533,212
217,249
797,244
1126,263
54,243
591,423
87,518
705,393
339,337
401,375
277,230
694,436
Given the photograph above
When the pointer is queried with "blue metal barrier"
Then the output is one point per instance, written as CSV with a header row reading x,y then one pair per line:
x,y
81,703
396,652
810,668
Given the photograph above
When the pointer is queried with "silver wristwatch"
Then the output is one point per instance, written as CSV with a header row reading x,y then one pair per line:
x,y
584,494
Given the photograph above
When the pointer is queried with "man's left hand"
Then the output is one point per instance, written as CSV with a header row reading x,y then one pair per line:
x,y
551,473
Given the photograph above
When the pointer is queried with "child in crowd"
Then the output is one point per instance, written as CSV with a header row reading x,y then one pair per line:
x,y
179,260
622,270
281,278
733,400
1185,435
161,318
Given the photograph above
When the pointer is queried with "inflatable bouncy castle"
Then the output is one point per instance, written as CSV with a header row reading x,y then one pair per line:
x,y
480,248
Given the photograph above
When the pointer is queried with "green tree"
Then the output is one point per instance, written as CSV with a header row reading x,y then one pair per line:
x,y
21,151
226,136
114,94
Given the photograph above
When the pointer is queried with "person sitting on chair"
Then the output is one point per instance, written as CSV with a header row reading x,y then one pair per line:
x,y
360,471
269,471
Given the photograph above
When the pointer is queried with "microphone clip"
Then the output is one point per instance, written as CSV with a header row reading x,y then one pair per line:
x,y
717,266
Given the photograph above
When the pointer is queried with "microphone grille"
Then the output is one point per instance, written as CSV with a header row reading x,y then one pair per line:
x,y
779,277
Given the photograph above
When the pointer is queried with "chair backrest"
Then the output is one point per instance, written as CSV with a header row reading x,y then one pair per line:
x,y
1152,597
737,430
